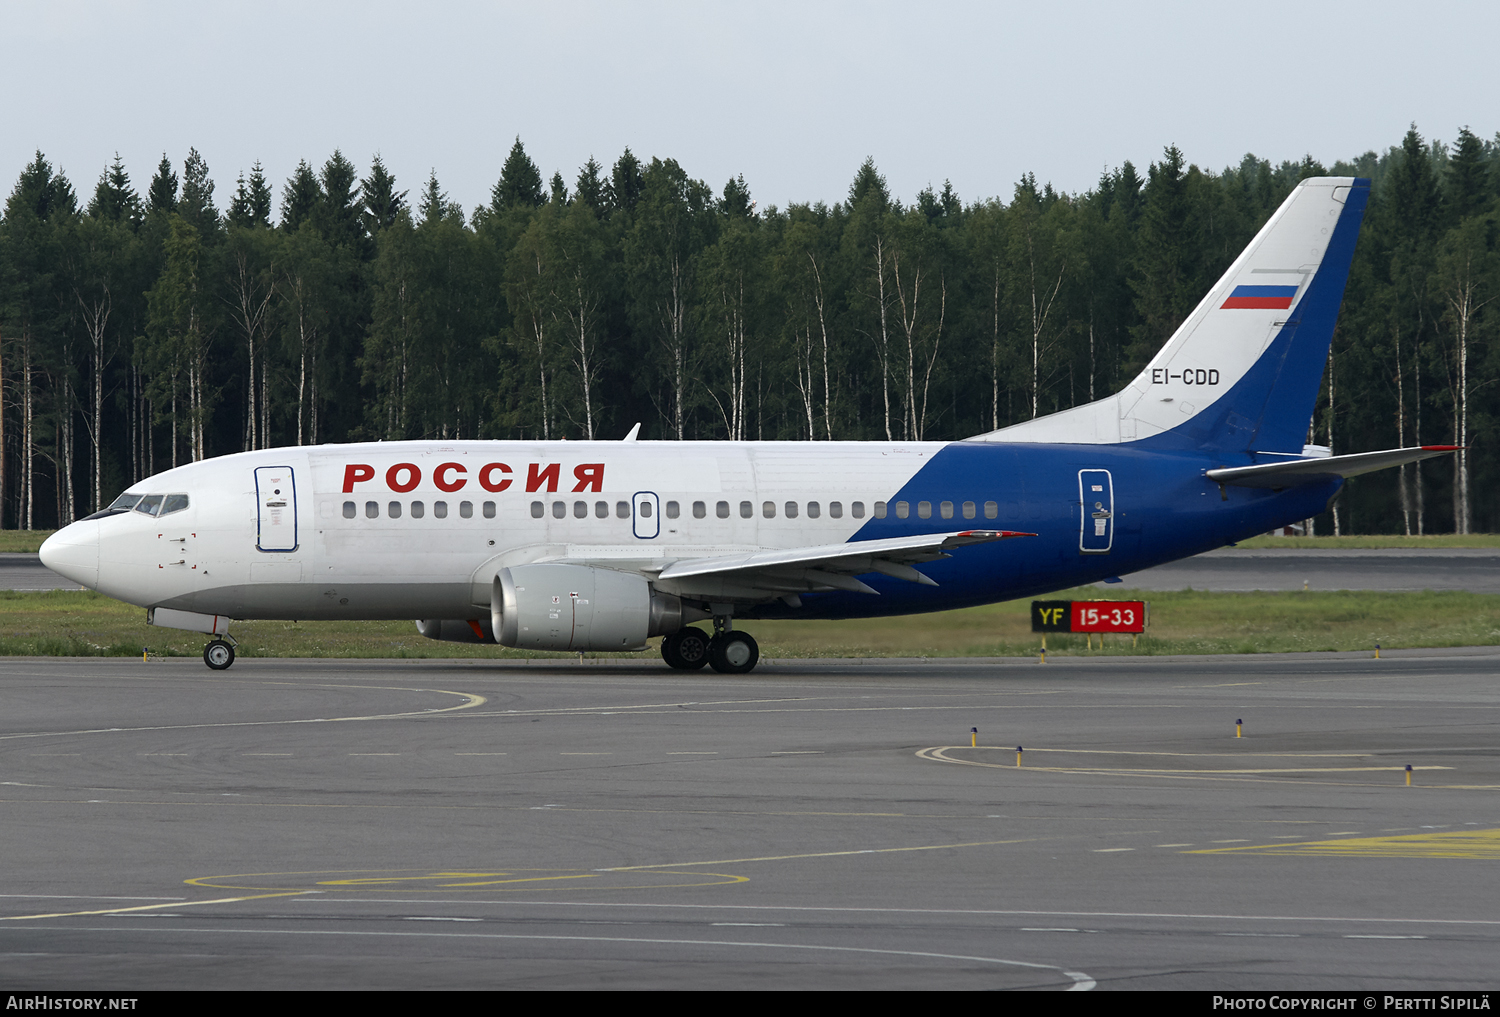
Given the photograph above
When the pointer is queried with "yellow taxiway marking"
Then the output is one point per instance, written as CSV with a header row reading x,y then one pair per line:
x,y
154,907
474,879
1481,844
400,881
822,854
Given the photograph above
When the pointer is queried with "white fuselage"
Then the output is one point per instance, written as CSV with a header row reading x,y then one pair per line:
x,y
418,529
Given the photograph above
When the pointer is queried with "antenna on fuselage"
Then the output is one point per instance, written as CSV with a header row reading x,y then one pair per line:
x,y
634,431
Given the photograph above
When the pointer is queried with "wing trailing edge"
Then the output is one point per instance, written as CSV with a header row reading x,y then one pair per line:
x,y
828,566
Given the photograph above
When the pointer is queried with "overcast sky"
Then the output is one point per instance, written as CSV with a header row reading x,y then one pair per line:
x,y
792,95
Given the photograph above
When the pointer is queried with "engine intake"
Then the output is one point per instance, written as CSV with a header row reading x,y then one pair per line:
x,y
578,607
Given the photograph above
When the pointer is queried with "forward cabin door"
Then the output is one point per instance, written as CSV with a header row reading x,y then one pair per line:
x,y
1096,491
276,508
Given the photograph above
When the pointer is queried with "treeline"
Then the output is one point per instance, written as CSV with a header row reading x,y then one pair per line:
x,y
142,331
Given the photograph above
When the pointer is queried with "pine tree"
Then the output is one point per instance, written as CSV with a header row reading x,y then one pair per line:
x,y
435,206
520,183
196,204
162,196
868,181
626,184
300,197
736,203
382,203
339,212
114,199
251,205
590,188
1468,187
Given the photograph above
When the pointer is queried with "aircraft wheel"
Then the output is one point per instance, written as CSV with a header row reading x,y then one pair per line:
x,y
733,653
218,655
686,649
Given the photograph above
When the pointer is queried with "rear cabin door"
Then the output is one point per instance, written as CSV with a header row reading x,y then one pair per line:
x,y
1096,534
276,509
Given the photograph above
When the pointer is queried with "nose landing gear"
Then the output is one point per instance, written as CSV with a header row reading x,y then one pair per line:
x,y
218,654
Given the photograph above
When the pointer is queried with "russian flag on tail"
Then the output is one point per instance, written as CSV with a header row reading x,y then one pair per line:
x,y
1269,298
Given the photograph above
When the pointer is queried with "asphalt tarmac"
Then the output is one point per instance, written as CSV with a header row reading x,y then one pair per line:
x,y
465,824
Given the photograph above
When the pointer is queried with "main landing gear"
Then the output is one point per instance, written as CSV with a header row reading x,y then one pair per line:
x,y
218,654
727,652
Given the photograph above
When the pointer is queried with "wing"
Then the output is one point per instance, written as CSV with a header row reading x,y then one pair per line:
x,y
1311,471
760,575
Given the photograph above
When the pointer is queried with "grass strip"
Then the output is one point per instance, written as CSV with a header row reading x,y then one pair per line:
x,y
78,623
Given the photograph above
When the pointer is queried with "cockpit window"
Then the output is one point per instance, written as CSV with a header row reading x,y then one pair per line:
x,y
124,503
173,503
149,504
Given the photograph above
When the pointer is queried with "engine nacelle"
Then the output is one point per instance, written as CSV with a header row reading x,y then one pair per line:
x,y
578,607
456,630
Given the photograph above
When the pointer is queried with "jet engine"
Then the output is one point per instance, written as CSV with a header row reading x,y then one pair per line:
x,y
578,607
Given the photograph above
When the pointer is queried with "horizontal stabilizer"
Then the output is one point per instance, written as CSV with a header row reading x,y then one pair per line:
x,y
1312,471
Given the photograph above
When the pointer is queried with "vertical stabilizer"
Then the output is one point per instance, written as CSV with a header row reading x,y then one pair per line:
x,y
1243,371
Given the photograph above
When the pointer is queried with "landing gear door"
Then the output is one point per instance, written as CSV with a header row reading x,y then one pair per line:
x,y
1096,532
275,509
647,515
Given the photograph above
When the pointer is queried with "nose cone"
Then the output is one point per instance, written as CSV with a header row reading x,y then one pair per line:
x,y
73,552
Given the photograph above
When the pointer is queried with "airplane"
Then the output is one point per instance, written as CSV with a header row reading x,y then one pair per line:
x,y
600,546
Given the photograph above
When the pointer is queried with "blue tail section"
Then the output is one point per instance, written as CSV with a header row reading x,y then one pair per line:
x,y
1270,407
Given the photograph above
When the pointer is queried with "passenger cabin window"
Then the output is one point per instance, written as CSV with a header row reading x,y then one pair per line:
x,y
394,510
372,510
903,510
879,510
746,510
349,509
836,509
622,510
645,510
601,510
813,511
924,510
968,510
791,510
466,509
538,510
418,510
673,510
489,510
768,509
946,510
991,510
440,509
857,510
722,510
699,510
580,510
